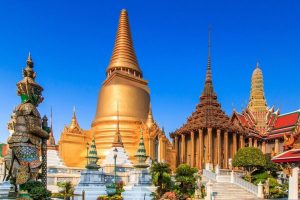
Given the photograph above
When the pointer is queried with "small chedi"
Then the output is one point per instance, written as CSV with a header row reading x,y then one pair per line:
x,y
28,136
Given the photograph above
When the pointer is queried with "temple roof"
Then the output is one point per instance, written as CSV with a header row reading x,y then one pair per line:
x,y
289,156
276,125
123,55
208,112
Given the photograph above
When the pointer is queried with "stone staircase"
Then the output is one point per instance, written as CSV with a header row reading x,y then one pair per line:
x,y
223,189
229,191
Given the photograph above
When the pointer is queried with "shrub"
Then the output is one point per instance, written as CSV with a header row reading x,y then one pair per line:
x,y
36,190
115,197
161,177
185,177
250,158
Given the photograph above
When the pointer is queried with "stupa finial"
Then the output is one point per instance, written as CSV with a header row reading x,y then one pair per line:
x,y
117,139
123,55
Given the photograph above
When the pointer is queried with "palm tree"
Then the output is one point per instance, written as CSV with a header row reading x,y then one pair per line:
x,y
161,177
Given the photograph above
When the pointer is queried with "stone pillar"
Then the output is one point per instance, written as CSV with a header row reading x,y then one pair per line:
x,y
234,145
293,184
219,149
250,142
276,149
226,150
176,150
200,159
193,149
260,190
263,147
242,142
210,147
182,149
255,142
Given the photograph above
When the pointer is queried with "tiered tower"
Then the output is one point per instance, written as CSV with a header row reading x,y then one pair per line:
x,y
257,103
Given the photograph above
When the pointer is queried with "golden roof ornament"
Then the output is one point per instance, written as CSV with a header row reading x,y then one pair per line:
x,y
117,139
74,123
123,55
150,120
257,97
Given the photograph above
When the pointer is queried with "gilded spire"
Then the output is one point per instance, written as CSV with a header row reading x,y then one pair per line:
x,y
123,55
208,87
117,139
150,120
74,123
257,97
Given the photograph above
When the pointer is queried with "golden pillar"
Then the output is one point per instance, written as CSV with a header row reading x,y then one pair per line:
x,y
151,148
255,142
276,146
193,149
182,149
200,156
250,142
210,146
219,155
226,150
263,147
234,146
176,150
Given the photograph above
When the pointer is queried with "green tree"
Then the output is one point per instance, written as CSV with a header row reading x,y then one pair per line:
x,y
67,189
271,167
161,177
186,181
250,158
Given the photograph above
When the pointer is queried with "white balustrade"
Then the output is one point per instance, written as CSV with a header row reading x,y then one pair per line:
x,y
245,184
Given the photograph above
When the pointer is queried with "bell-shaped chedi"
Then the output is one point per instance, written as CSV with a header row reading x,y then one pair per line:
x,y
124,86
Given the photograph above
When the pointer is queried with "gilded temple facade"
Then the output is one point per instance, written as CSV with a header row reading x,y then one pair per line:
x,y
208,138
124,101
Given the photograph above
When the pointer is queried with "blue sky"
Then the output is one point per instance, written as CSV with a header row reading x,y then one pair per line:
x,y
71,44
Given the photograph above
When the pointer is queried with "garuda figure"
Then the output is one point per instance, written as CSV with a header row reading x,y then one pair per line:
x,y
29,132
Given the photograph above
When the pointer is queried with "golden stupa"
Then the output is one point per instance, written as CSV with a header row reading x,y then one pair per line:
x,y
124,92
124,105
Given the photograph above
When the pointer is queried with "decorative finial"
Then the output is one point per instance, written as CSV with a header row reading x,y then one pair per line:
x,y
117,139
123,55
257,64
74,122
29,62
208,70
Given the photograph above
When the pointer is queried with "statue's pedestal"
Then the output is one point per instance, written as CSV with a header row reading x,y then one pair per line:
x,y
140,185
4,189
138,192
92,182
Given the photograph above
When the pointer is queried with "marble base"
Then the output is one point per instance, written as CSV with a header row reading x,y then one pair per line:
x,y
4,188
91,178
91,192
139,192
